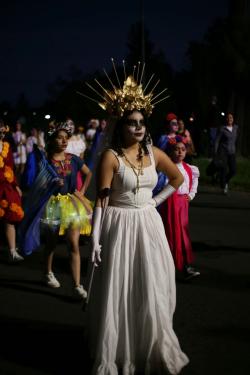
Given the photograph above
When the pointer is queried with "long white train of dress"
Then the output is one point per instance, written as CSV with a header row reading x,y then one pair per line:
x,y
133,296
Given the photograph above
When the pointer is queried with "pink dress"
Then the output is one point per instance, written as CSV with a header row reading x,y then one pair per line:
x,y
174,213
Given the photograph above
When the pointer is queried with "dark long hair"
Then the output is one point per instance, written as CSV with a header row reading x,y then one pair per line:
x,y
117,139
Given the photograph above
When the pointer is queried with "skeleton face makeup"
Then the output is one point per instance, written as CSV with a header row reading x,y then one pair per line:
x,y
71,125
134,128
174,126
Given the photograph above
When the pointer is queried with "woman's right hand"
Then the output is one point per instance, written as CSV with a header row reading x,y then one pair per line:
x,y
60,182
152,202
95,255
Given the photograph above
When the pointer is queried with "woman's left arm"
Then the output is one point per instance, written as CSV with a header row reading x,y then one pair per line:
x,y
195,177
165,165
175,178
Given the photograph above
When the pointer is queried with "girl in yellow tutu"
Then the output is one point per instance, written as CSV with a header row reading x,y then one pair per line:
x,y
67,211
54,202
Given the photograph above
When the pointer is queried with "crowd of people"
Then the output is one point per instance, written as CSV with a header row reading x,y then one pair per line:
x,y
139,224
22,141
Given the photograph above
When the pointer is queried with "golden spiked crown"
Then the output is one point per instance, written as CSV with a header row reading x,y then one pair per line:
x,y
131,96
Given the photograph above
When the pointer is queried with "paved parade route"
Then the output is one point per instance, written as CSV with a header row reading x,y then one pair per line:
x,y
42,330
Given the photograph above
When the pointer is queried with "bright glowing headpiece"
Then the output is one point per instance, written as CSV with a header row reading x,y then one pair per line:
x,y
129,96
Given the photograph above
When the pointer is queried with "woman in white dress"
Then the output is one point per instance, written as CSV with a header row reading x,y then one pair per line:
x,y
133,295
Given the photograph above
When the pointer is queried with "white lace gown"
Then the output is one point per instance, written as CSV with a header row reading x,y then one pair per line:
x,y
133,296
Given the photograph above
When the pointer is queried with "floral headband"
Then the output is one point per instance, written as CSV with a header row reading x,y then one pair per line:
x,y
172,142
61,126
177,139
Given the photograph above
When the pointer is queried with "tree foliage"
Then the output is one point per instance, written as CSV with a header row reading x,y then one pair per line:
x,y
220,66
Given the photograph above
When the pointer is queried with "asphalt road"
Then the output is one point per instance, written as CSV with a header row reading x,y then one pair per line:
x,y
42,330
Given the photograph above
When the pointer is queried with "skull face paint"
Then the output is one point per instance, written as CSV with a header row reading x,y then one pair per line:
x,y
135,128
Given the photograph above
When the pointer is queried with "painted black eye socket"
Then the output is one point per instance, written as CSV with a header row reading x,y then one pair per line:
x,y
135,123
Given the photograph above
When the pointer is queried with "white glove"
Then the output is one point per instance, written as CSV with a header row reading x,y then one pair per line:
x,y
163,195
191,196
95,236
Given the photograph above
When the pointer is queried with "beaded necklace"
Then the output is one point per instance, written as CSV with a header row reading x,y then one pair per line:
x,y
138,171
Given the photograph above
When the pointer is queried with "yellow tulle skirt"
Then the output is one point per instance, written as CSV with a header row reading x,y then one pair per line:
x,y
68,211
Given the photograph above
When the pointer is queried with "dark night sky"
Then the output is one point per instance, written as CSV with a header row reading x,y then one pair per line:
x,y
40,40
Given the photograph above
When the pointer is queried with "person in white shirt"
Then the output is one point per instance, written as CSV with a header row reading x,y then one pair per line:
x,y
225,151
41,140
76,146
92,128
31,140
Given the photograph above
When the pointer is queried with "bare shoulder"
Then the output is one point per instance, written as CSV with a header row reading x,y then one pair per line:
x,y
158,153
108,155
109,159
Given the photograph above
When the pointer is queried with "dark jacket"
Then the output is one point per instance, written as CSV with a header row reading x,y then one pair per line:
x,y
225,142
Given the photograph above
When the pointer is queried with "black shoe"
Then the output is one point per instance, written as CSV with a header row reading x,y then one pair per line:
x,y
190,272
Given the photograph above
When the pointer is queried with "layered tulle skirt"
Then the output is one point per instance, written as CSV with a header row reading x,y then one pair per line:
x,y
133,297
68,211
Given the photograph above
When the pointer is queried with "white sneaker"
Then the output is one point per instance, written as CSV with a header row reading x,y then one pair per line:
x,y
79,291
51,280
225,190
191,272
15,257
